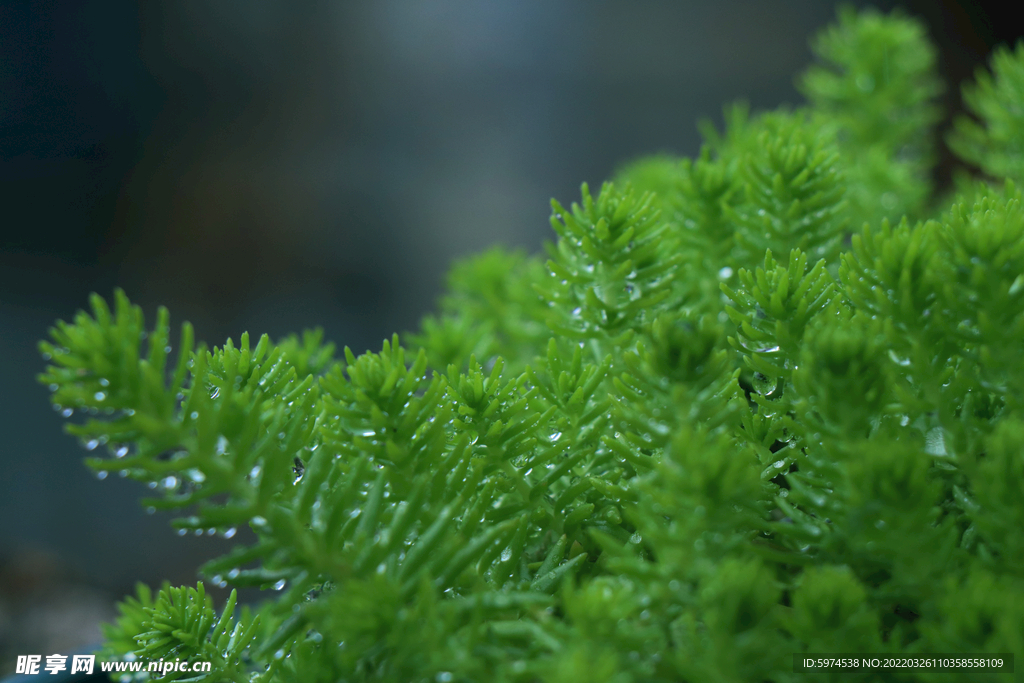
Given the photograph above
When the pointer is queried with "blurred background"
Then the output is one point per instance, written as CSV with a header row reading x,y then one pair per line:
x,y
274,166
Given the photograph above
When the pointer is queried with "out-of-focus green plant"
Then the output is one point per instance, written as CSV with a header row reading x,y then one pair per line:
x,y
713,430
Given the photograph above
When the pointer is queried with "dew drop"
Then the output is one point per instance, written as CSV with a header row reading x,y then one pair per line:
x,y
54,387
100,396
725,273
230,532
233,574
91,444
182,532
216,392
123,473
506,554
198,532
121,451
635,538
279,585
194,415
150,510
170,482
101,475
764,385
67,412
935,442
259,520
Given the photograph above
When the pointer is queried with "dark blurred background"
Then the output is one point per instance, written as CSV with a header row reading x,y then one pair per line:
x,y
273,166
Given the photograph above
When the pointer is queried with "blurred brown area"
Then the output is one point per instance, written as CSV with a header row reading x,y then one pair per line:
x,y
45,609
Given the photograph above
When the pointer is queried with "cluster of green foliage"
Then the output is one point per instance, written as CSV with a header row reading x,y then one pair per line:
x,y
762,402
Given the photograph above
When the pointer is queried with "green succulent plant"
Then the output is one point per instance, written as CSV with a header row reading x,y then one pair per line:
x,y
761,403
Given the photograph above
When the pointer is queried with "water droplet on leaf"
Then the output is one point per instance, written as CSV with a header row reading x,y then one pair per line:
x,y
765,385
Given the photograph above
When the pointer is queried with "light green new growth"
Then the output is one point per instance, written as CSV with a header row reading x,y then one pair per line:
x,y
763,402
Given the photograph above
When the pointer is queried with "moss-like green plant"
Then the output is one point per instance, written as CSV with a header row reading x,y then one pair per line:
x,y
713,430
